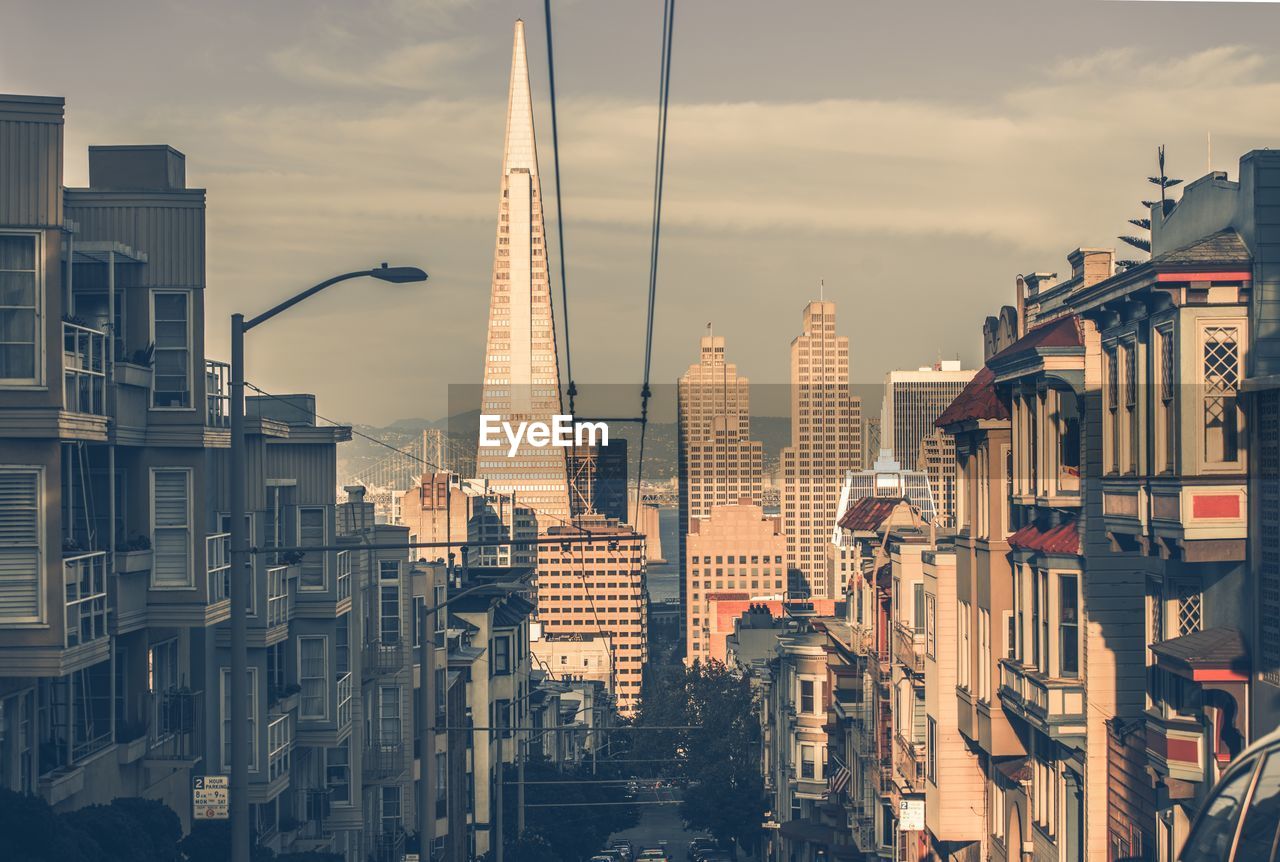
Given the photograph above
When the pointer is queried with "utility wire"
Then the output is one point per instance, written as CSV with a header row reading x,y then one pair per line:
x,y
555,154
659,171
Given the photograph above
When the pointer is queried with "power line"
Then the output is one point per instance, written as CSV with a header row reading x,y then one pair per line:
x,y
555,154
659,171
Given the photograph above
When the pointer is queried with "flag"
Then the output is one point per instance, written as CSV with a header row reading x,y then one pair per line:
x,y
838,775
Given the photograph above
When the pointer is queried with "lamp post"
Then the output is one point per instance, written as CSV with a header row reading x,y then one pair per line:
x,y
239,783
426,705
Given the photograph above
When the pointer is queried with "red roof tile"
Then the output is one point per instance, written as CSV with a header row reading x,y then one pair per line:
x,y
1063,332
1062,539
978,400
868,513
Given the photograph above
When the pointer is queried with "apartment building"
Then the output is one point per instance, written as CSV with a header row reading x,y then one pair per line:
x,y
596,589
913,399
826,443
718,463
456,512
112,583
938,463
736,551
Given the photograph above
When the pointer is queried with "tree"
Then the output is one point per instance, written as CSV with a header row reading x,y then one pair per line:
x,y
719,754
30,831
210,841
572,813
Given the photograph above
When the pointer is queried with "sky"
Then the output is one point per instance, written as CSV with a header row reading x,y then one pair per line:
x,y
913,157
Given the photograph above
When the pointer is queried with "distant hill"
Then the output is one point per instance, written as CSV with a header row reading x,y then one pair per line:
x,y
462,431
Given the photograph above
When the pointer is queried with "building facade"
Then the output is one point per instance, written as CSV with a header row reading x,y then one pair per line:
x,y
826,443
912,401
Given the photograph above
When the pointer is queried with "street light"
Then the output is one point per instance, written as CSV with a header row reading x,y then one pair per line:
x,y
239,784
426,708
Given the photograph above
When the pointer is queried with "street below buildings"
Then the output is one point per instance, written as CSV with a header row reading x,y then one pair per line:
x,y
658,823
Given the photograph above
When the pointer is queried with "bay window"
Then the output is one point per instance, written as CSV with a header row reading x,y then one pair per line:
x,y
1068,626
1221,372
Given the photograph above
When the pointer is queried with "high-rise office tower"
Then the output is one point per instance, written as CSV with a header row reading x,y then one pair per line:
x,y
718,464
521,375
912,401
826,442
938,462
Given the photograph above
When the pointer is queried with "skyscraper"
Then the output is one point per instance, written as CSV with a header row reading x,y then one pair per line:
x,y
912,401
521,375
718,464
826,442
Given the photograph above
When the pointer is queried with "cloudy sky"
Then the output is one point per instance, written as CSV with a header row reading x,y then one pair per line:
x,y
914,156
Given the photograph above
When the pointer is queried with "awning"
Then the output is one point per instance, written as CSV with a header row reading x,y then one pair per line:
x,y
1209,655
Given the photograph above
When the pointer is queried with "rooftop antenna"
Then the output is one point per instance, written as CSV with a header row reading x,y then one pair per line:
x,y
1208,159
822,290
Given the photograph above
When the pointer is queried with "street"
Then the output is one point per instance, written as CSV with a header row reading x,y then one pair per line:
x,y
659,823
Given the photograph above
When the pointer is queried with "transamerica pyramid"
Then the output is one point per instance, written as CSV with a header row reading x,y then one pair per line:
x,y
521,370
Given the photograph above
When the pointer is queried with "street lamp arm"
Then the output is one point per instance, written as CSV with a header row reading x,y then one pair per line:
x,y
311,291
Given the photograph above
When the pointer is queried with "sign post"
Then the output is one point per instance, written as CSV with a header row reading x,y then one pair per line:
x,y
210,798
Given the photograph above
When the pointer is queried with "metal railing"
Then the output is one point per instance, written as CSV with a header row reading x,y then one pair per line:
x,y
382,658
84,370
344,699
175,719
383,760
910,759
85,591
217,555
388,846
279,746
908,648
344,574
217,398
277,596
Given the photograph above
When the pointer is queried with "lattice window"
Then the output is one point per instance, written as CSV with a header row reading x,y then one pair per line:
x,y
1221,375
1167,371
1130,375
1113,379
1157,613
1190,608
1268,455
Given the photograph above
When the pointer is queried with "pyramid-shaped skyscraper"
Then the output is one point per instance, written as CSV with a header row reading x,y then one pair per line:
x,y
521,371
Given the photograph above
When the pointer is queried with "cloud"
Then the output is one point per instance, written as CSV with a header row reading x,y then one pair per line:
x,y
758,193
328,62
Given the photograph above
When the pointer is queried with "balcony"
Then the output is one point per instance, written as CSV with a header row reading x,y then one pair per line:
x,y
174,725
388,846
909,761
380,658
344,574
1053,706
85,589
279,746
217,388
383,760
217,554
908,648
84,370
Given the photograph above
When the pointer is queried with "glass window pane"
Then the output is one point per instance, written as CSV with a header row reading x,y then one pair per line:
x,y
1258,834
1213,834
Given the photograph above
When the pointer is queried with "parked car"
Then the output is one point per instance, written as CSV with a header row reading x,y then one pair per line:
x,y
623,847
1240,821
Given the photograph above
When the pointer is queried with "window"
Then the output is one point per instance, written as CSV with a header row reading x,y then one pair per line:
x,y
1190,607
1068,626
1131,430
1113,409
964,658
391,809
1221,378
807,699
162,666
389,613
1258,832
313,678
251,705
389,715
311,533
171,528
21,291
171,334
1166,422
930,625
931,750
996,808
808,763
1068,421
501,655
442,783
21,505
984,649
342,644
918,609
337,773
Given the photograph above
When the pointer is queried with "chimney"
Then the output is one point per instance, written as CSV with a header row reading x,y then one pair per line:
x,y
1091,265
